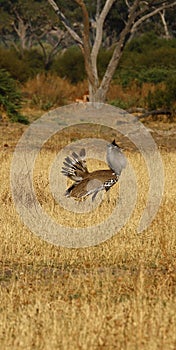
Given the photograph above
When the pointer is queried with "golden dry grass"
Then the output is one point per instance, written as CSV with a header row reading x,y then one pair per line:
x,y
46,91
118,295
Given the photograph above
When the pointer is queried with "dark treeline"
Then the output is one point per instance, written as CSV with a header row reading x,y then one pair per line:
x,y
147,58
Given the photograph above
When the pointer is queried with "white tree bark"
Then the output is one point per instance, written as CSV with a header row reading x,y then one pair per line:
x,y
152,13
21,29
99,34
166,30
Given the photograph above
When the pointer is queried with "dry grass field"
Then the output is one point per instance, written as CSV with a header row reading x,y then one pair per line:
x,y
120,294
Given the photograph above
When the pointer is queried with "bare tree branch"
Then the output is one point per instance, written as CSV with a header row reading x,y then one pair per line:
x,y
49,55
119,47
66,24
85,20
21,27
98,9
86,42
99,31
163,19
151,14
127,3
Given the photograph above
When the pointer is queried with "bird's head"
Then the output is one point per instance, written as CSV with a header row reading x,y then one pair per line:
x,y
113,145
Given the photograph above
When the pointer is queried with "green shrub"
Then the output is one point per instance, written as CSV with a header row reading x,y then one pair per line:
x,y
125,76
104,57
34,62
147,58
157,100
10,97
70,65
141,42
10,62
20,67
171,88
153,75
123,104
164,98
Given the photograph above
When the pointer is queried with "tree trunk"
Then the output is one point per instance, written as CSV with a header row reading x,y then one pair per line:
x,y
138,12
163,19
96,95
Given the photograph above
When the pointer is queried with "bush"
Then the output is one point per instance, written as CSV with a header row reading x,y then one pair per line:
x,y
121,103
153,75
157,100
164,98
20,67
48,90
10,98
147,58
104,57
70,65
33,61
142,43
10,62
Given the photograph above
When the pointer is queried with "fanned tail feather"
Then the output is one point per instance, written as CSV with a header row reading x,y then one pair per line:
x,y
75,166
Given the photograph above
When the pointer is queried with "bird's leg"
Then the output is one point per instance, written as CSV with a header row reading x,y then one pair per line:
x,y
96,192
108,196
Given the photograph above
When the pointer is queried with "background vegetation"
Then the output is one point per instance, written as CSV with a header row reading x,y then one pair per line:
x,y
10,97
146,78
35,50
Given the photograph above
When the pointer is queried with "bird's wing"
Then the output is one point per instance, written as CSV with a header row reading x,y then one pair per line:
x,y
84,189
96,181
75,166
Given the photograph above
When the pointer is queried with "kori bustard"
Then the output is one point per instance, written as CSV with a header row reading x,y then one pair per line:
x,y
90,183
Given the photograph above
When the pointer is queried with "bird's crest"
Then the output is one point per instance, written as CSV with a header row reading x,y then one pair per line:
x,y
115,144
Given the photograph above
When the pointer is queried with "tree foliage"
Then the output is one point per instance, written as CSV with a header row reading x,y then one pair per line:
x,y
165,97
25,24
